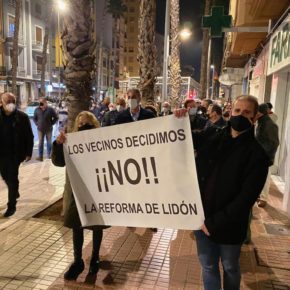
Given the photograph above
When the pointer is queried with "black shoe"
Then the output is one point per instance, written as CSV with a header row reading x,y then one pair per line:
x,y
9,212
94,266
74,270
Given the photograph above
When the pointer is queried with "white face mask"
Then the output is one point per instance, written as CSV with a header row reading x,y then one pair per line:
x,y
10,107
132,104
119,108
192,111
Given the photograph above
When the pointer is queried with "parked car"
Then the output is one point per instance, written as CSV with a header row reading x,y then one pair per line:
x,y
31,108
33,105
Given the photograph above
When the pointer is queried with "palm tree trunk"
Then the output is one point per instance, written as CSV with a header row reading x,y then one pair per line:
x,y
44,50
15,49
78,47
204,56
147,51
174,72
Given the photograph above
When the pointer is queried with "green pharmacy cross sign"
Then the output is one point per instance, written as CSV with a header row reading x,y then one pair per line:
x,y
216,21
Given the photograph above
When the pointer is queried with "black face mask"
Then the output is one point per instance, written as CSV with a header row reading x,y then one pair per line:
x,y
240,123
86,127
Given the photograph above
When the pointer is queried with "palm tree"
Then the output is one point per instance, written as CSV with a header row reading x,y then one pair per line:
x,y
116,8
78,47
44,48
174,71
204,56
147,51
15,48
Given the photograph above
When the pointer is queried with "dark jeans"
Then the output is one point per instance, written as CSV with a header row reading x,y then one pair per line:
x,y
9,171
209,254
41,135
78,241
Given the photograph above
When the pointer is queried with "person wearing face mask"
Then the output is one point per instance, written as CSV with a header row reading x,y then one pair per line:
x,y
84,121
134,112
44,118
203,108
215,118
267,134
111,116
232,168
197,122
165,109
16,145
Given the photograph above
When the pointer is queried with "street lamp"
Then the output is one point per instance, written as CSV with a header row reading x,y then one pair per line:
x,y
61,7
185,34
212,80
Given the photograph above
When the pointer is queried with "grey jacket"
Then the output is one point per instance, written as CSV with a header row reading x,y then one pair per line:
x,y
267,135
44,120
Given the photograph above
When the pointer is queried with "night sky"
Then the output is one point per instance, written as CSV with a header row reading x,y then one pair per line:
x,y
190,15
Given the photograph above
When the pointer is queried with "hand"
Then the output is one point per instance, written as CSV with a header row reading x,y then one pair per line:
x,y
27,158
205,230
179,113
61,138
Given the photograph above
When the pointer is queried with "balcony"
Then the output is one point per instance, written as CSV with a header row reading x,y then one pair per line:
x,y
21,72
37,45
21,40
250,13
36,74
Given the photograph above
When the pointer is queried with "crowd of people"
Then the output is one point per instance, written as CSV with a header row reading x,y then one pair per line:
x,y
235,145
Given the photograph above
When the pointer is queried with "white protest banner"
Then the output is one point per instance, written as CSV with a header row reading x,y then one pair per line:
x,y
140,174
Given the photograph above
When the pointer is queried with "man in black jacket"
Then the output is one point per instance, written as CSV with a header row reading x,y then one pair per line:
x,y
44,118
16,146
267,134
232,169
134,112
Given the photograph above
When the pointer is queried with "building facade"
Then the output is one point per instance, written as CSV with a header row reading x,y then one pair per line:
x,y
263,60
30,42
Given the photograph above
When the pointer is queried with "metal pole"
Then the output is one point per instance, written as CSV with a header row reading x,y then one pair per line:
x,y
166,51
212,84
58,35
208,69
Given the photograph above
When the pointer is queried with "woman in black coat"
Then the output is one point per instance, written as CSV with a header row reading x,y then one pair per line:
x,y
84,121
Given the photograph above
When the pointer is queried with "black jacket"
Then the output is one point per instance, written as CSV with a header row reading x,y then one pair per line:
x,y
231,174
125,116
44,120
22,138
110,118
267,134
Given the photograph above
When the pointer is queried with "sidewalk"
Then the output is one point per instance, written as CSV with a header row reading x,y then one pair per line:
x,y
34,253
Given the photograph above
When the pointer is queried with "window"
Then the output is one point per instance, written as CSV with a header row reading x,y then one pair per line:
x,y
38,35
38,8
132,9
104,80
131,49
132,19
131,29
131,59
104,62
130,68
38,63
11,55
11,25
